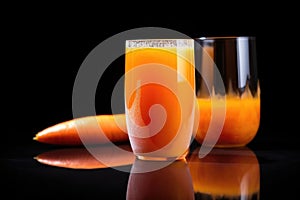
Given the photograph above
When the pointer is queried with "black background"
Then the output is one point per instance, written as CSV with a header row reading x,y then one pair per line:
x,y
44,48
45,45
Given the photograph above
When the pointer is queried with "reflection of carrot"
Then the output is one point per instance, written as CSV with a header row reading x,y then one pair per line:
x,y
81,158
88,130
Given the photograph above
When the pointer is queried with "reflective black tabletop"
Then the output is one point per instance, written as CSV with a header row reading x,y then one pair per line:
x,y
44,52
264,169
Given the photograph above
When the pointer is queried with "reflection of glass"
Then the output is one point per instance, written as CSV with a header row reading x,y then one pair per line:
x,y
225,174
159,94
81,158
235,59
170,182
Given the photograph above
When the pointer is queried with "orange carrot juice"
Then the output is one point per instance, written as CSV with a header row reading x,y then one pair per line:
x,y
241,120
159,93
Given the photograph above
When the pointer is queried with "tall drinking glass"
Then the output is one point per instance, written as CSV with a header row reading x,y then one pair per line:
x,y
235,59
160,97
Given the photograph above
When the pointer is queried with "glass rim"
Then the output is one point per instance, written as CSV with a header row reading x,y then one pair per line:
x,y
222,38
156,43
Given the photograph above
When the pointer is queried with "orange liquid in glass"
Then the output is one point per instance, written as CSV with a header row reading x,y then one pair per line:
x,y
174,136
241,120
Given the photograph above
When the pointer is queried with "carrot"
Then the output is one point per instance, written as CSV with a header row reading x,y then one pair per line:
x,y
97,129
81,158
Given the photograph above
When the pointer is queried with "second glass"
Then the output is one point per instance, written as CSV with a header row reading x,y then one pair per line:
x,y
234,58
160,97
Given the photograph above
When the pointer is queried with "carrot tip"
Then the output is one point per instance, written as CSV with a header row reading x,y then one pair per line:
x,y
35,138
